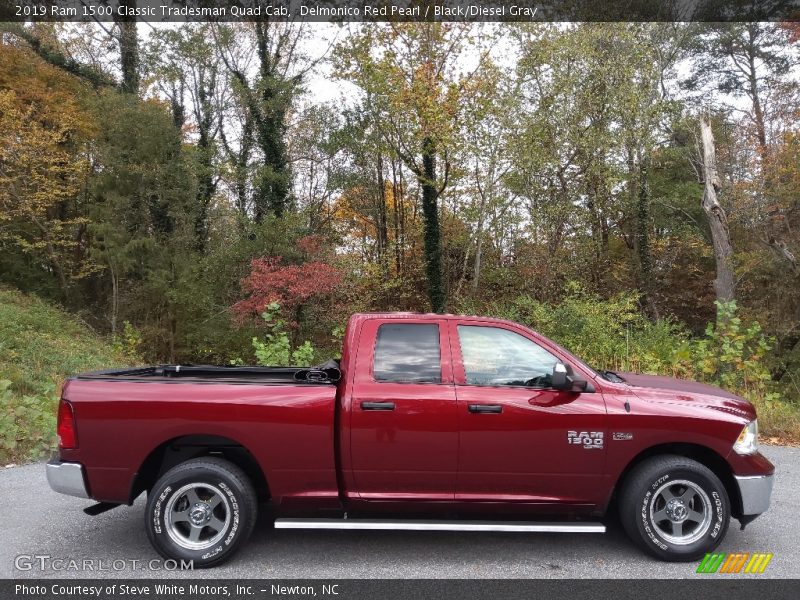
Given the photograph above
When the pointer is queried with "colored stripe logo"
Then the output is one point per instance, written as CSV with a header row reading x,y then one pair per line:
x,y
736,562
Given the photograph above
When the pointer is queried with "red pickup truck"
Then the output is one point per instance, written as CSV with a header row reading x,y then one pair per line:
x,y
428,422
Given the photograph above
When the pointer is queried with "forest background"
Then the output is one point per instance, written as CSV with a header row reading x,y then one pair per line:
x,y
231,193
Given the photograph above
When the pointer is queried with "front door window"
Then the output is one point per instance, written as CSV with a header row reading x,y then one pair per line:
x,y
499,357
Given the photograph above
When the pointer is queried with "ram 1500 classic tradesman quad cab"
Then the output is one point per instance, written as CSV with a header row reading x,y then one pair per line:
x,y
428,422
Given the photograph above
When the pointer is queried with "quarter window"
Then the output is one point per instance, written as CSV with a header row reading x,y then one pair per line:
x,y
408,353
494,356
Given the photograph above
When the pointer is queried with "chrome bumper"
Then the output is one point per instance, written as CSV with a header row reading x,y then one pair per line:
x,y
755,492
67,478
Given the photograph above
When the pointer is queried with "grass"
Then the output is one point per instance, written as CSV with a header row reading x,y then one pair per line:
x,y
40,345
778,421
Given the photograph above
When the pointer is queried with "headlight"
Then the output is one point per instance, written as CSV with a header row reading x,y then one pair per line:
x,y
747,442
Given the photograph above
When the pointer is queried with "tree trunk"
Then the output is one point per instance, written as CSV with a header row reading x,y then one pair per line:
x,y
430,213
380,218
55,57
396,221
401,210
114,298
643,240
783,252
242,164
476,274
173,332
758,111
129,50
724,284
205,152
270,101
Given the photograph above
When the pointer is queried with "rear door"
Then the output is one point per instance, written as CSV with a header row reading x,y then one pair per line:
x,y
403,423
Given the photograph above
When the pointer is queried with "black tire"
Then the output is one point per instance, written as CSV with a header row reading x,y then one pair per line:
x,y
207,498
672,486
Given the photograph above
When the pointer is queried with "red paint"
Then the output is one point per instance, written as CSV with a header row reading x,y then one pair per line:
x,y
429,453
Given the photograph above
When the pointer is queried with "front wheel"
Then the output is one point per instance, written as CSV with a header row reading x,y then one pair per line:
x,y
202,511
675,508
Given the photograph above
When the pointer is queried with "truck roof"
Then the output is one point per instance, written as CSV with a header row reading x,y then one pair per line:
x,y
358,317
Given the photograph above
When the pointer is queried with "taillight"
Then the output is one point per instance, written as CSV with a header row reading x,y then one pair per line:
x,y
67,435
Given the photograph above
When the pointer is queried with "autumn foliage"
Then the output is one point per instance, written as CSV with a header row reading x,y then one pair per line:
x,y
291,286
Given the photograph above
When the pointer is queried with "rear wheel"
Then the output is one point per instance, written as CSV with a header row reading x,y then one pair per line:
x,y
675,508
202,510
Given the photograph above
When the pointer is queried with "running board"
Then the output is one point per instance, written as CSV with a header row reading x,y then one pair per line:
x,y
411,525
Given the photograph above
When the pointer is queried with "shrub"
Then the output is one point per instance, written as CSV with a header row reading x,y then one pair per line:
x,y
27,422
609,334
128,343
735,355
41,345
276,348
731,355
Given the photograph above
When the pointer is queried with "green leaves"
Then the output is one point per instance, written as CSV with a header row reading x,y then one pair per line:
x,y
736,355
275,349
128,343
608,333
39,346
27,422
732,354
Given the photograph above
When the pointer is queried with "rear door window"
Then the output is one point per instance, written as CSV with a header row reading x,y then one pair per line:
x,y
408,353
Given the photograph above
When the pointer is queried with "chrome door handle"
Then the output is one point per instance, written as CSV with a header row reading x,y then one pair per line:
x,y
485,408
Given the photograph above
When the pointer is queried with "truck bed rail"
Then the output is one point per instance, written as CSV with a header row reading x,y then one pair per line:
x,y
327,373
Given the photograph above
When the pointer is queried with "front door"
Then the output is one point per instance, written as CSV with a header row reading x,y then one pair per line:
x,y
521,440
403,423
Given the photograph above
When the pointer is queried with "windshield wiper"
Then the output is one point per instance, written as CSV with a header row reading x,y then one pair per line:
x,y
612,376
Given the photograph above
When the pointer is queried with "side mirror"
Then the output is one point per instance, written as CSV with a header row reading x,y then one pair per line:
x,y
564,379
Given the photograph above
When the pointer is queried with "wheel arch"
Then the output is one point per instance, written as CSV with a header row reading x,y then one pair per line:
x,y
702,454
177,450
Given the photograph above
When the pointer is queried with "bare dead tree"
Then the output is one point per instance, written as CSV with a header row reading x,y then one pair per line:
x,y
724,284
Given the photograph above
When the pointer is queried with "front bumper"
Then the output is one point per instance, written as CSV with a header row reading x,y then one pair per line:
x,y
67,478
755,492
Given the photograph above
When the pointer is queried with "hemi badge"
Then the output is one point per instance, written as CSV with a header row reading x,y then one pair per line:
x,y
622,436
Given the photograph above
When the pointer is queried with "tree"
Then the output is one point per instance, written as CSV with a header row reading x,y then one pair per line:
x,y
317,152
49,52
593,111
38,175
43,168
291,286
44,41
490,118
185,67
142,214
414,92
753,61
717,220
128,39
367,202
742,59
266,98
273,287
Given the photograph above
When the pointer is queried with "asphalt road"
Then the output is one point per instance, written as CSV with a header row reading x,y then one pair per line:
x,y
37,521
